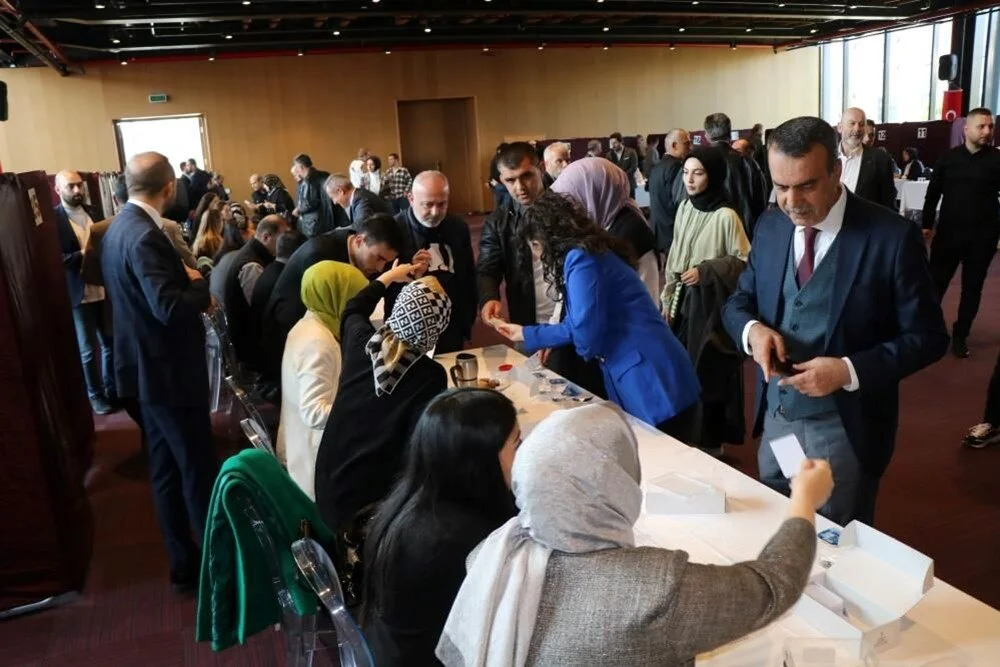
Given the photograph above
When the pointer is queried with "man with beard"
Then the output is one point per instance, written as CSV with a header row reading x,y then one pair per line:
x,y
556,158
90,320
966,181
442,242
157,304
866,172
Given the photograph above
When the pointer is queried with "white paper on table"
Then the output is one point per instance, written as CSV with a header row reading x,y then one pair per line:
x,y
788,451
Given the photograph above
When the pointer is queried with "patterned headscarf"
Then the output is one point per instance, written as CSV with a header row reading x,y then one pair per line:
x,y
239,215
327,286
419,317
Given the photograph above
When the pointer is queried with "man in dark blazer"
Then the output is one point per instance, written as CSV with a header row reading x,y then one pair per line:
x,y
315,213
359,203
75,223
157,304
623,157
666,187
866,171
441,242
198,181
369,246
836,306
745,183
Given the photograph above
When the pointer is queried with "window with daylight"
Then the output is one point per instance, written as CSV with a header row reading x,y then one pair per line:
x,y
909,73
865,74
832,93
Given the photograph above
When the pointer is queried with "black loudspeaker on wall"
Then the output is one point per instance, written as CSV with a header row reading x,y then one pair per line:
x,y
947,70
3,101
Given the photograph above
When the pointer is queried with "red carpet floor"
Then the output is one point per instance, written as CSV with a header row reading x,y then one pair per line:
x,y
938,497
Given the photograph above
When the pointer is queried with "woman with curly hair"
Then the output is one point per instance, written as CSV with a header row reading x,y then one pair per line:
x,y
609,316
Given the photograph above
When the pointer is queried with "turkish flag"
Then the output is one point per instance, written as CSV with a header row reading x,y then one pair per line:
x,y
951,107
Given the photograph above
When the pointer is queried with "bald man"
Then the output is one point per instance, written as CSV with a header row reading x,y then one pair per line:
x,y
443,243
865,171
357,202
666,187
90,320
157,303
257,195
556,158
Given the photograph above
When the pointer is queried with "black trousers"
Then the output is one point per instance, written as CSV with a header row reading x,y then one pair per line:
x,y
975,256
992,413
182,470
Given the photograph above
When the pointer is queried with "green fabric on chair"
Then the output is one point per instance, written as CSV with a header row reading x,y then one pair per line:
x,y
236,598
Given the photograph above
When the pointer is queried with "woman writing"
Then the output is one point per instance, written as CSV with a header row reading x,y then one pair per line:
x,y
386,381
563,583
608,316
310,367
454,491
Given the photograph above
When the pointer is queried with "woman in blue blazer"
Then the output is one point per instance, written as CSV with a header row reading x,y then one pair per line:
x,y
609,315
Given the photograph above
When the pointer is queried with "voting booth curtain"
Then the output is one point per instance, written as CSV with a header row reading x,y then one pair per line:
x,y
46,424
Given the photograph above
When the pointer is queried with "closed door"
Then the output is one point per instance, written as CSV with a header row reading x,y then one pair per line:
x,y
441,135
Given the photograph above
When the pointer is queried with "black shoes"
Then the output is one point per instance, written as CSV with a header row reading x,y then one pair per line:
x,y
959,348
101,405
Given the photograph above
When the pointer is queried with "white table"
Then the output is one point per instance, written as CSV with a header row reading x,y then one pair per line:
x,y
912,195
948,628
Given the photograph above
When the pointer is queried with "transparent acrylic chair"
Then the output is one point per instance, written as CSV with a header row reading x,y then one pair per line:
x,y
213,357
300,632
253,426
317,568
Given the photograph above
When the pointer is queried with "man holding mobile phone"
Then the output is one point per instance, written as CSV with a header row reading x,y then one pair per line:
x,y
836,306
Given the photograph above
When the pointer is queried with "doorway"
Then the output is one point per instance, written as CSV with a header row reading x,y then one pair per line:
x,y
441,134
180,138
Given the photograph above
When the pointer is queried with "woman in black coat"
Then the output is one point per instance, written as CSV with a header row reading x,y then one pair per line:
x,y
913,168
452,494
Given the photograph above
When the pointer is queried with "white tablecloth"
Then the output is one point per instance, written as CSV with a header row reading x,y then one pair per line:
x,y
948,628
911,196
641,196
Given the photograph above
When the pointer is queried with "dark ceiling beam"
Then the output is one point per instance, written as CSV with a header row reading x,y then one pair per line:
x,y
122,18
13,30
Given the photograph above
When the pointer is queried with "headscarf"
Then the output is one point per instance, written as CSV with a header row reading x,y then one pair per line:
x,y
714,196
576,482
600,186
419,317
327,287
239,215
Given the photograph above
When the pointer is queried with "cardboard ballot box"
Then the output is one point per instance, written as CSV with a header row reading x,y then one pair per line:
x,y
675,493
869,583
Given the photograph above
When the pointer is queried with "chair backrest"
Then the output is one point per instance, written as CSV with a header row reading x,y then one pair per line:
x,y
258,439
259,428
318,569
213,357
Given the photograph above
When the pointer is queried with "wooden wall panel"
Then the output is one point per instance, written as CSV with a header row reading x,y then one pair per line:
x,y
260,112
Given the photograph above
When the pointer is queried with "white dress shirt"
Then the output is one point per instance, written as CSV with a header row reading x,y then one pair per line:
x,y
152,212
80,223
851,165
827,234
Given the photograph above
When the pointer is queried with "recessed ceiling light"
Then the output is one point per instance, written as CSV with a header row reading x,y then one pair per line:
x,y
12,65
124,62
605,28
375,2
542,46
606,48
116,41
600,1
814,31
749,29
229,36
695,2
854,7
246,2
336,33
672,47
301,52
387,52
733,46
100,6
781,4
681,29
427,29
211,58
486,48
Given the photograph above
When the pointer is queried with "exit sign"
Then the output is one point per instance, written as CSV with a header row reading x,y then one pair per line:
x,y
158,98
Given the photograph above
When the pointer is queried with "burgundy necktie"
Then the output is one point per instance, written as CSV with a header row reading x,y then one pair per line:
x,y
808,262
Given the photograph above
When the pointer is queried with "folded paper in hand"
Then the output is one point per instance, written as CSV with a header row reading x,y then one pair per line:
x,y
789,454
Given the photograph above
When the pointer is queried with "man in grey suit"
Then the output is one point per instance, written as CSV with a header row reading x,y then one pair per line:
x,y
359,203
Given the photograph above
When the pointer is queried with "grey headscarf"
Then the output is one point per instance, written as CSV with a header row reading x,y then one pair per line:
x,y
576,481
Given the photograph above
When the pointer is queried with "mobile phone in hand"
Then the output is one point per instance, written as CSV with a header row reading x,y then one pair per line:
x,y
783,368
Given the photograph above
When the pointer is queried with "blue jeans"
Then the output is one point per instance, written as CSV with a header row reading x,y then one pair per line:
x,y
92,329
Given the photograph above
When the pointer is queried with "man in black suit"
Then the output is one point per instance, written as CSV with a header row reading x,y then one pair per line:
x,y
966,181
157,304
198,182
866,172
745,183
74,223
288,242
837,306
624,157
368,246
666,187
313,208
359,203
442,243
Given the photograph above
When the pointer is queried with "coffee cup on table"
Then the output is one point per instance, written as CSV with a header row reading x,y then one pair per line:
x,y
465,372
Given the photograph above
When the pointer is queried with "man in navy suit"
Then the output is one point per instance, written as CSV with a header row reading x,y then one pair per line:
x,y
836,306
157,303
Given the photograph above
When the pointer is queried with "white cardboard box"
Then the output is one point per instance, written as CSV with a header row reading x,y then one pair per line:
x,y
873,581
675,493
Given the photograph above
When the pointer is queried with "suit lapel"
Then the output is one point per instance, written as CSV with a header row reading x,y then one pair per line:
x,y
775,259
853,239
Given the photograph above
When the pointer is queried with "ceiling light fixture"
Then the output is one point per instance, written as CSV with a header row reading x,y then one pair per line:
x,y
600,2
115,40
695,2
781,4
388,51
605,29
246,2
486,49
749,29
301,52
732,46
229,36
211,59
606,47
124,62
336,33
814,31
426,30
375,2
541,47
681,29
100,6
672,47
